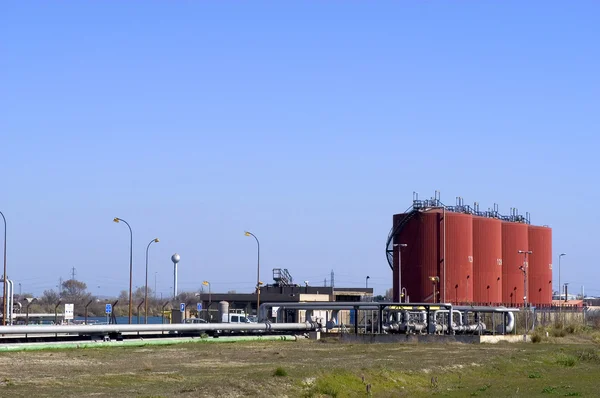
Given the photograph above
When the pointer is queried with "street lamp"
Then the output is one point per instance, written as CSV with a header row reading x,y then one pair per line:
x,y
367,281
175,258
117,219
559,285
258,283
435,280
29,301
400,246
4,278
207,283
155,273
146,287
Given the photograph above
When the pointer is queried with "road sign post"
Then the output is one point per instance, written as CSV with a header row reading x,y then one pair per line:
x,y
69,310
108,310
182,309
199,307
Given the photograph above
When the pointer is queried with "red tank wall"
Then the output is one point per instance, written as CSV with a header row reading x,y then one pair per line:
x,y
459,256
419,236
487,260
423,257
539,276
515,237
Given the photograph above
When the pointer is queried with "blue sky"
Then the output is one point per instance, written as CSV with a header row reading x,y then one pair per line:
x,y
308,123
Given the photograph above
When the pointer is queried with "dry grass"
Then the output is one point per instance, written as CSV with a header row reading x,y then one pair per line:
x,y
312,369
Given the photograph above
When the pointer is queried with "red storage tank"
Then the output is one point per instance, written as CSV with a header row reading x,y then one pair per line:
x,y
424,257
539,274
515,237
414,236
487,260
459,255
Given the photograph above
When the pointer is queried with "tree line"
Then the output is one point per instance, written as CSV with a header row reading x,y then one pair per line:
x,y
75,292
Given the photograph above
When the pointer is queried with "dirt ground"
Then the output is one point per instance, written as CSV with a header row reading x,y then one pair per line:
x,y
305,369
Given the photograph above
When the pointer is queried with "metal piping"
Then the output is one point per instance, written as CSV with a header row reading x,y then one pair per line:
x,y
509,324
315,305
195,327
11,297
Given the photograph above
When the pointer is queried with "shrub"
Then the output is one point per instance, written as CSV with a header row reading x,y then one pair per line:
x,y
566,360
536,338
589,355
558,332
280,372
573,328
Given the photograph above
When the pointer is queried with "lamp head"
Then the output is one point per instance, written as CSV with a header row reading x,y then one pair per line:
x,y
175,258
116,219
562,254
156,240
205,283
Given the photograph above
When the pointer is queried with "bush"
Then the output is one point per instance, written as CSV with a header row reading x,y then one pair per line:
x,y
558,332
573,328
536,338
589,355
280,372
566,360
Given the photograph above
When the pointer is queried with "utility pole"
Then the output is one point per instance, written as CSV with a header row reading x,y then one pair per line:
x,y
524,269
73,273
331,281
60,286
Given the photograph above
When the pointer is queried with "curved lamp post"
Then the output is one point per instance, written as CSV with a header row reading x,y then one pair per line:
x,y
207,283
117,219
257,270
146,287
5,308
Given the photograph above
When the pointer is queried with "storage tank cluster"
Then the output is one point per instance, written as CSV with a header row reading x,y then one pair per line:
x,y
458,254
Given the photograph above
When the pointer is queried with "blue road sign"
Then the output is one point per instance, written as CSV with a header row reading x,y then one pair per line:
x,y
108,308
182,307
199,307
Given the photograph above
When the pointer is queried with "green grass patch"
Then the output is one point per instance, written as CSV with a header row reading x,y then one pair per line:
x,y
566,360
280,372
548,390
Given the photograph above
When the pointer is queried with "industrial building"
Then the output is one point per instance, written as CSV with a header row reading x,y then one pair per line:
x,y
461,255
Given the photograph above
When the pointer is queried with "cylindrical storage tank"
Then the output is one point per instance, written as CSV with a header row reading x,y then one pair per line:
x,y
223,311
487,261
395,290
459,255
423,257
410,258
514,239
539,274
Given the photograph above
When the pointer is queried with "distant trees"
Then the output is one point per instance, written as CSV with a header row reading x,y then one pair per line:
x,y
389,294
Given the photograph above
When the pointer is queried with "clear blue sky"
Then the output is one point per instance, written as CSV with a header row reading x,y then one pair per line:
x,y
309,123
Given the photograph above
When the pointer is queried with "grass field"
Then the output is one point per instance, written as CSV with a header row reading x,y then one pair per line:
x,y
561,367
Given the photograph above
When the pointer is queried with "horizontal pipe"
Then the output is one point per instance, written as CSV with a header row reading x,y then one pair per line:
x,y
138,343
484,309
336,305
194,327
